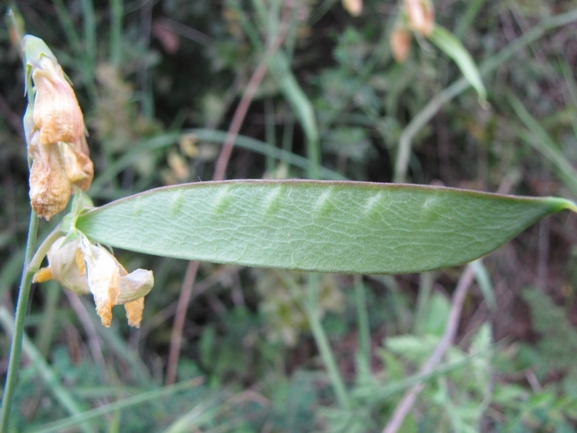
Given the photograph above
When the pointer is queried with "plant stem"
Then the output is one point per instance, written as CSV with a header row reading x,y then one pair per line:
x,y
363,317
21,307
460,85
312,310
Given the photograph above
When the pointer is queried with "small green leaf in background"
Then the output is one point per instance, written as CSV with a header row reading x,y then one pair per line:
x,y
453,48
346,227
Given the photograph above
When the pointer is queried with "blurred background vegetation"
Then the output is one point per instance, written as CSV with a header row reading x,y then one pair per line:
x,y
162,82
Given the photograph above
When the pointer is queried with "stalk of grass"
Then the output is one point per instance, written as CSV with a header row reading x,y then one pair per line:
x,y
459,86
423,300
68,27
205,135
310,305
10,271
21,307
363,318
115,49
468,18
572,87
117,343
48,375
81,58
540,140
269,131
89,33
302,108
322,341
484,283
59,426
49,318
288,85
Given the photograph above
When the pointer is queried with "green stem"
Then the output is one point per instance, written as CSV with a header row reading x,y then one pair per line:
x,y
21,307
313,314
62,395
423,301
364,325
116,8
310,305
36,261
459,86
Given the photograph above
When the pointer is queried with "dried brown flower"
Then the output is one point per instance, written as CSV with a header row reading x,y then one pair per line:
x,y
400,43
421,16
55,134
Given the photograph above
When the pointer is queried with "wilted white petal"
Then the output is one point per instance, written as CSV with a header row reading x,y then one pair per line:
x,y
65,265
135,285
103,275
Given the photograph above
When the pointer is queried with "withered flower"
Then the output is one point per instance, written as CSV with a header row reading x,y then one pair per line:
x,y
55,133
354,7
421,16
400,43
56,114
50,187
83,267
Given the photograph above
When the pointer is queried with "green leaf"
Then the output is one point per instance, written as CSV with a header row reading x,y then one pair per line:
x,y
453,48
347,227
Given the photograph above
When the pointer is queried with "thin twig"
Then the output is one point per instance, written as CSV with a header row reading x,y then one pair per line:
x,y
242,109
410,396
446,341
460,85
93,339
166,313
176,336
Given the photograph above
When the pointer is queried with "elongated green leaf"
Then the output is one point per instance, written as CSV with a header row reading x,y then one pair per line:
x,y
453,48
348,227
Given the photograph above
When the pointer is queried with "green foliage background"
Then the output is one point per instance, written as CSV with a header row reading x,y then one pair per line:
x,y
159,83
